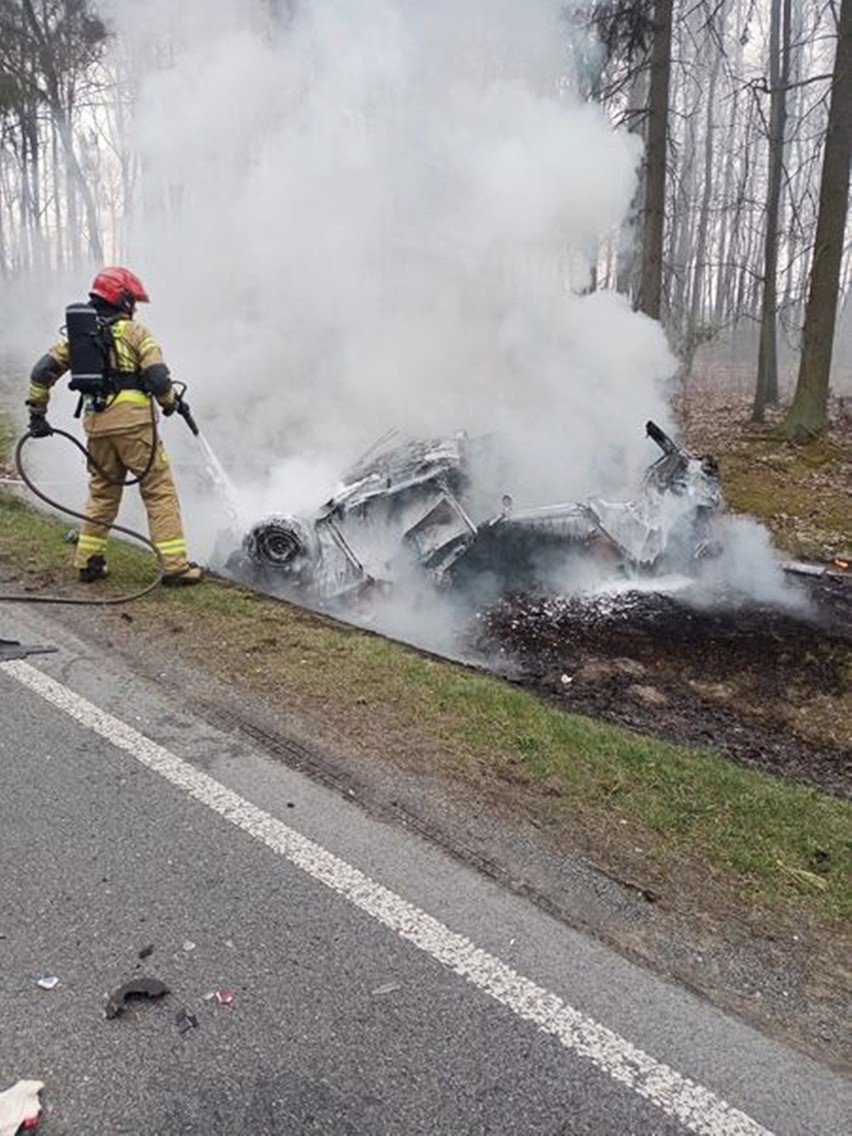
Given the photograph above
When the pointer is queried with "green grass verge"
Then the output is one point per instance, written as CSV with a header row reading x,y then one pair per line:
x,y
7,437
776,842
801,492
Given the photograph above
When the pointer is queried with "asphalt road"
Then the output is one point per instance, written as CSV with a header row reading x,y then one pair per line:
x,y
378,986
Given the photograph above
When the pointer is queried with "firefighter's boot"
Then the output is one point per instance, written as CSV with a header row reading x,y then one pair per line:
x,y
94,569
191,574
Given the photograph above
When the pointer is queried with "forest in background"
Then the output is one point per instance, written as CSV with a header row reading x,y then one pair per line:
x,y
738,233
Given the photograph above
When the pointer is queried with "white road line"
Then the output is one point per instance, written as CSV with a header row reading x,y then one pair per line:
x,y
698,1109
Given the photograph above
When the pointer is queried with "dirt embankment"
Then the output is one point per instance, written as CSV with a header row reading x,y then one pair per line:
x,y
764,686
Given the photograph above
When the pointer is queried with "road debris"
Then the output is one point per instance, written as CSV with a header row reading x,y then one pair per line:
x,y
20,1107
185,1021
146,951
387,988
804,878
136,988
47,981
11,649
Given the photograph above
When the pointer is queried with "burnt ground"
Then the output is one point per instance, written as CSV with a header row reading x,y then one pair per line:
x,y
765,686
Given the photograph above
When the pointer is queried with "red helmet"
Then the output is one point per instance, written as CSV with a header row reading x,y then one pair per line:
x,y
119,287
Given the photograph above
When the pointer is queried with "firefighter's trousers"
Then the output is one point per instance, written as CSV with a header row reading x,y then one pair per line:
x,y
118,455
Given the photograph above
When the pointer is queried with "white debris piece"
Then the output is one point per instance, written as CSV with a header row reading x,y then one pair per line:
x,y
19,1105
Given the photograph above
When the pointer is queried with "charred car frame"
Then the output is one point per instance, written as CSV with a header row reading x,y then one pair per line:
x,y
406,509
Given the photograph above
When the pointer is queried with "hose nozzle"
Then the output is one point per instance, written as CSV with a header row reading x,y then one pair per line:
x,y
186,414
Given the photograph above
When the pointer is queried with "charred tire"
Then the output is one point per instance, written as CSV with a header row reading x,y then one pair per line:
x,y
282,544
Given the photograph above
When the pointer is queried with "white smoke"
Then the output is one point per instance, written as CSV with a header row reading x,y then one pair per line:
x,y
748,569
380,214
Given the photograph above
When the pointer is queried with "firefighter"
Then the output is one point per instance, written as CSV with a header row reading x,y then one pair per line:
x,y
120,424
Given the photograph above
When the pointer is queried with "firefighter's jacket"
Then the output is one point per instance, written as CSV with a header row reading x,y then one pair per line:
x,y
135,356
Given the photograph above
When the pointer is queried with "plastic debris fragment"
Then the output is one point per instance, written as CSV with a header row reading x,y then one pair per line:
x,y
20,1107
11,649
188,945
387,988
137,988
185,1021
47,981
225,996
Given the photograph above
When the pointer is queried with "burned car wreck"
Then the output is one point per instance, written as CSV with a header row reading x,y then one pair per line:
x,y
408,510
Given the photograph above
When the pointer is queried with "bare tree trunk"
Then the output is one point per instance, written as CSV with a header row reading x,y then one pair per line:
x,y
58,213
681,220
746,254
4,243
699,275
730,244
38,244
691,332
724,273
64,126
649,300
626,251
808,414
61,118
766,392
27,252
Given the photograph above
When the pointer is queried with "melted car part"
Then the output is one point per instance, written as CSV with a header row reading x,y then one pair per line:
x,y
12,649
419,504
136,988
283,543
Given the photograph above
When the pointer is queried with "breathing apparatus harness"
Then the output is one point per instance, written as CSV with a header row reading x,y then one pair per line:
x,y
91,346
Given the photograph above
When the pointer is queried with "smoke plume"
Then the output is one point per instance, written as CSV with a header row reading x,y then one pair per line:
x,y
355,217
382,215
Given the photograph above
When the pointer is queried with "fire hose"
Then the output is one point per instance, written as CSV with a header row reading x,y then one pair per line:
x,y
181,408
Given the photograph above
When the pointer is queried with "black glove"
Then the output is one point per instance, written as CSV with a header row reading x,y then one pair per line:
x,y
39,426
